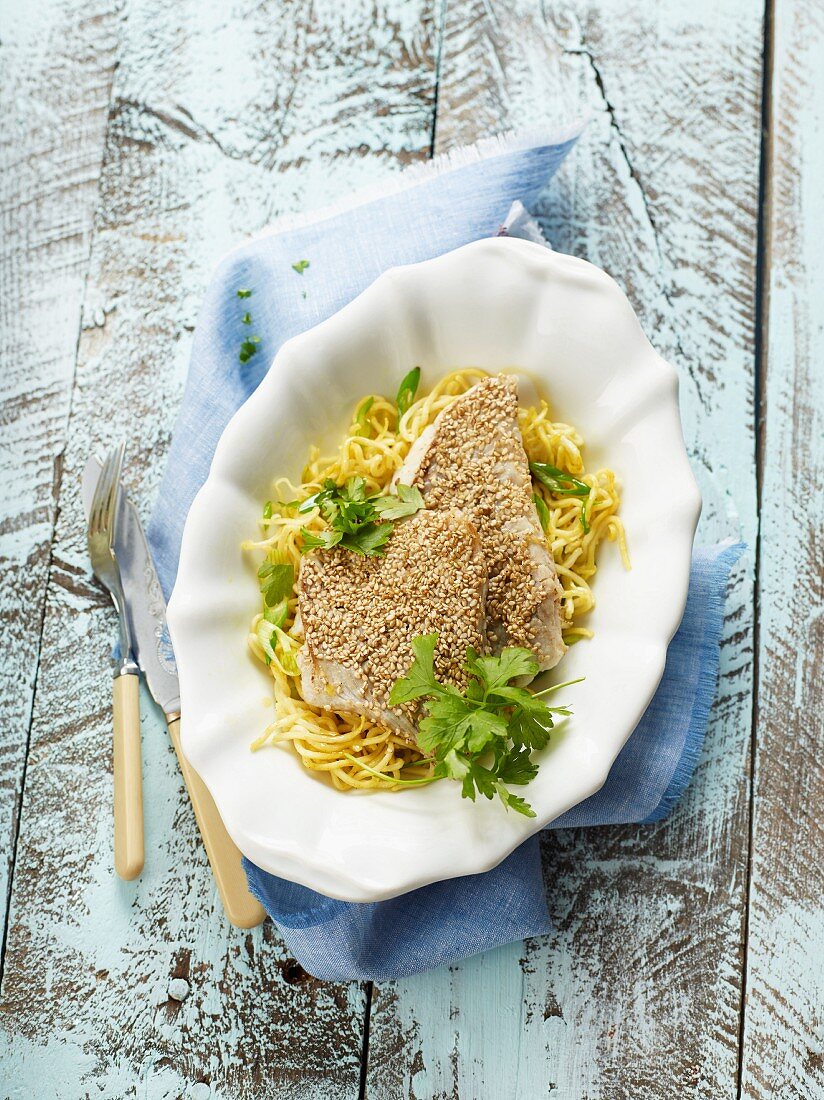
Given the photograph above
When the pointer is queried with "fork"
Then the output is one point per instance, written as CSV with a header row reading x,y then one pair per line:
x,y
128,782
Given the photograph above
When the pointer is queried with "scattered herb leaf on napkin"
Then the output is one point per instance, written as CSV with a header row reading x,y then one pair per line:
x,y
248,348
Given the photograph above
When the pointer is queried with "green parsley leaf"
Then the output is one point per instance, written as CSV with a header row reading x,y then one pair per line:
x,y
407,390
455,765
542,510
276,581
484,727
267,510
407,502
508,696
496,671
300,266
447,725
368,539
354,489
246,319
358,522
482,737
323,540
515,802
244,293
483,778
517,768
312,502
559,483
420,679
528,729
468,787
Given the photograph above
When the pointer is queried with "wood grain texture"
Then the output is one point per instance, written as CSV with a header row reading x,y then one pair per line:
x,y
783,1051
56,61
638,993
218,120
221,117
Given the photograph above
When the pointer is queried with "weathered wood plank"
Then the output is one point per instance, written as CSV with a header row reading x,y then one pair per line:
x,y
783,1054
638,993
56,62
221,118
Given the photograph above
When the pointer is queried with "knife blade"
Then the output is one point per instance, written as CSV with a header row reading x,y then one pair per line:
x,y
144,596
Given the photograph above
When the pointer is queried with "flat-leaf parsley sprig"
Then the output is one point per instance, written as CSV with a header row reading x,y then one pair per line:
x,y
484,736
357,522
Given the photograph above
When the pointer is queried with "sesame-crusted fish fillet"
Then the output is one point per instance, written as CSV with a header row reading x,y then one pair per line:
x,y
359,615
472,458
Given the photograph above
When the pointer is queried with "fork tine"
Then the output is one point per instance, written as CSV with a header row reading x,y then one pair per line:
x,y
97,499
103,517
110,505
100,493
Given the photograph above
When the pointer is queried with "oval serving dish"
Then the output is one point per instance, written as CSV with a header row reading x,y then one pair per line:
x,y
502,305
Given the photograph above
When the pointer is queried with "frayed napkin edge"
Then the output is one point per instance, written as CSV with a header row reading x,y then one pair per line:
x,y
706,690
496,145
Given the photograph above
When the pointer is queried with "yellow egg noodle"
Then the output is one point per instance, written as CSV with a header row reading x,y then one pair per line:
x,y
374,447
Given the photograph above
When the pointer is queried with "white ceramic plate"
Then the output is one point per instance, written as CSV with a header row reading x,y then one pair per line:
x,y
499,304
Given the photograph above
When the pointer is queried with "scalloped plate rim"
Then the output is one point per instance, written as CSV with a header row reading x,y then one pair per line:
x,y
291,857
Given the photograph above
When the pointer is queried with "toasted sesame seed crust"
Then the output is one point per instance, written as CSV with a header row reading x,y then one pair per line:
x,y
360,614
475,461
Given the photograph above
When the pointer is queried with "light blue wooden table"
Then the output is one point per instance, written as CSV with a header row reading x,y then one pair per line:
x,y
141,138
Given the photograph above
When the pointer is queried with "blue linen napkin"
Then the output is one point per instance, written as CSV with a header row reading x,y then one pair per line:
x,y
420,215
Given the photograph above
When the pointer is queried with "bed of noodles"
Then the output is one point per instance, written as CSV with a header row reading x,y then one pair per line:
x,y
374,447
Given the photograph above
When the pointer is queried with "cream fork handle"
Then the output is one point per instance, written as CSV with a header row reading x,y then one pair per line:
x,y
242,909
128,781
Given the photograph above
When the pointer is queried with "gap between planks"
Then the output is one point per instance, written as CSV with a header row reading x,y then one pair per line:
x,y
762,315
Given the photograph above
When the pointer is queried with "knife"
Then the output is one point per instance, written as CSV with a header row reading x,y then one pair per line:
x,y
153,650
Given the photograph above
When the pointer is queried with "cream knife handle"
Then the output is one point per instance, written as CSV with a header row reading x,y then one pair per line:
x,y
128,781
242,909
